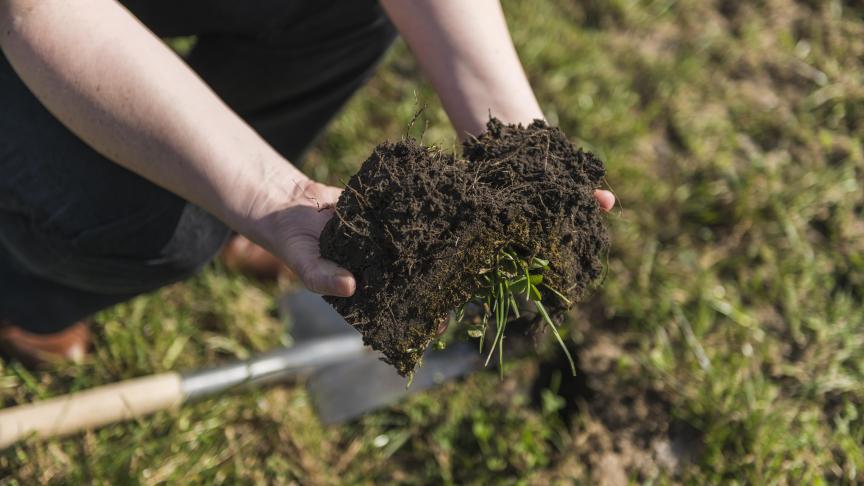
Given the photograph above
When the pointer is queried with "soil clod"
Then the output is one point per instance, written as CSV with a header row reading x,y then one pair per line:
x,y
418,227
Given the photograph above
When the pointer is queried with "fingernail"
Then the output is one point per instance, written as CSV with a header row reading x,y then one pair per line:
x,y
343,284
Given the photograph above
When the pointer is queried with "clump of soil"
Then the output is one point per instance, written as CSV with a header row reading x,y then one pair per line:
x,y
418,227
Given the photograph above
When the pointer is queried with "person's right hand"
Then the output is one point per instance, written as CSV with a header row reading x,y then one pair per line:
x,y
292,233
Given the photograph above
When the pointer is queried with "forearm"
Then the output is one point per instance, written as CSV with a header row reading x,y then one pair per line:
x,y
117,87
465,49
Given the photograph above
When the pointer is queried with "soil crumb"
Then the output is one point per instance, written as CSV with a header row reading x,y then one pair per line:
x,y
417,227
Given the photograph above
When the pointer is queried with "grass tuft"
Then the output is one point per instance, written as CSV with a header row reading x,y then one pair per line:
x,y
508,276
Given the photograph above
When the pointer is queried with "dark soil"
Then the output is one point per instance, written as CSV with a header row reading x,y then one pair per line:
x,y
417,226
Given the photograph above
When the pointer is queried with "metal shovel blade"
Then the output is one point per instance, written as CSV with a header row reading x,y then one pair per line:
x,y
345,391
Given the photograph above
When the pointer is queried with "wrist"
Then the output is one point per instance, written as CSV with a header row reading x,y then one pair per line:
x,y
524,113
276,186
507,111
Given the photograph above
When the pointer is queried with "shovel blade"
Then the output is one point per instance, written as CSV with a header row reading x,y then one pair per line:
x,y
345,391
311,317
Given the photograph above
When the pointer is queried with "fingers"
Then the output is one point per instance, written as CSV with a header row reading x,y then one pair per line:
x,y
324,196
297,238
605,199
325,277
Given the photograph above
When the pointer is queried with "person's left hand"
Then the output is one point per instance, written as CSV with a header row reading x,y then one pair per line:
x,y
605,199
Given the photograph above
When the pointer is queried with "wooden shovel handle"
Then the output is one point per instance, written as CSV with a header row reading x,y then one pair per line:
x,y
89,409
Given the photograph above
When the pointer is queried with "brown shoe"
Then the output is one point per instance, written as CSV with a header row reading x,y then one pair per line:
x,y
243,256
37,350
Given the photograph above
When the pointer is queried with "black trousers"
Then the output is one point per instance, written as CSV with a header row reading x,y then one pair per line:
x,y
78,233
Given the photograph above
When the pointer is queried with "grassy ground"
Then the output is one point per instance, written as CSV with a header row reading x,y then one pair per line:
x,y
727,344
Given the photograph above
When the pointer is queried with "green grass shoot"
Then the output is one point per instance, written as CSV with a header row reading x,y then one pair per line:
x,y
508,276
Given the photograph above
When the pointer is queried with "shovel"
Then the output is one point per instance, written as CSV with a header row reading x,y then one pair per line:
x,y
345,379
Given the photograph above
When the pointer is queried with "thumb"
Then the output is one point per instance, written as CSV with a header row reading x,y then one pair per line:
x,y
325,277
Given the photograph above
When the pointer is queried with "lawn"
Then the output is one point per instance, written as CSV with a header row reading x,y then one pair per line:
x,y
726,344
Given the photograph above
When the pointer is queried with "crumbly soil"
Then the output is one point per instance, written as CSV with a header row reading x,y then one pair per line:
x,y
622,431
417,227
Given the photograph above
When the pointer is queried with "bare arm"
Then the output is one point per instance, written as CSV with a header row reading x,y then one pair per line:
x,y
117,87
465,49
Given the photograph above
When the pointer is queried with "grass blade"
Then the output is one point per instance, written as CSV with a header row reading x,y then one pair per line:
x,y
559,294
542,310
513,305
499,306
507,298
483,333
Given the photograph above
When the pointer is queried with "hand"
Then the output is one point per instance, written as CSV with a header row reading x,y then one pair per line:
x,y
292,234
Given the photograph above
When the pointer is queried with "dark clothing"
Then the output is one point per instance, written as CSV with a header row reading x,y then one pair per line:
x,y
79,233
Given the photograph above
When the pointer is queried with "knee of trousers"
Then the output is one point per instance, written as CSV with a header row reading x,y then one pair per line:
x,y
112,259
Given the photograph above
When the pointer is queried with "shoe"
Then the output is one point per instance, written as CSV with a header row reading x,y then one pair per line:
x,y
243,256
38,350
